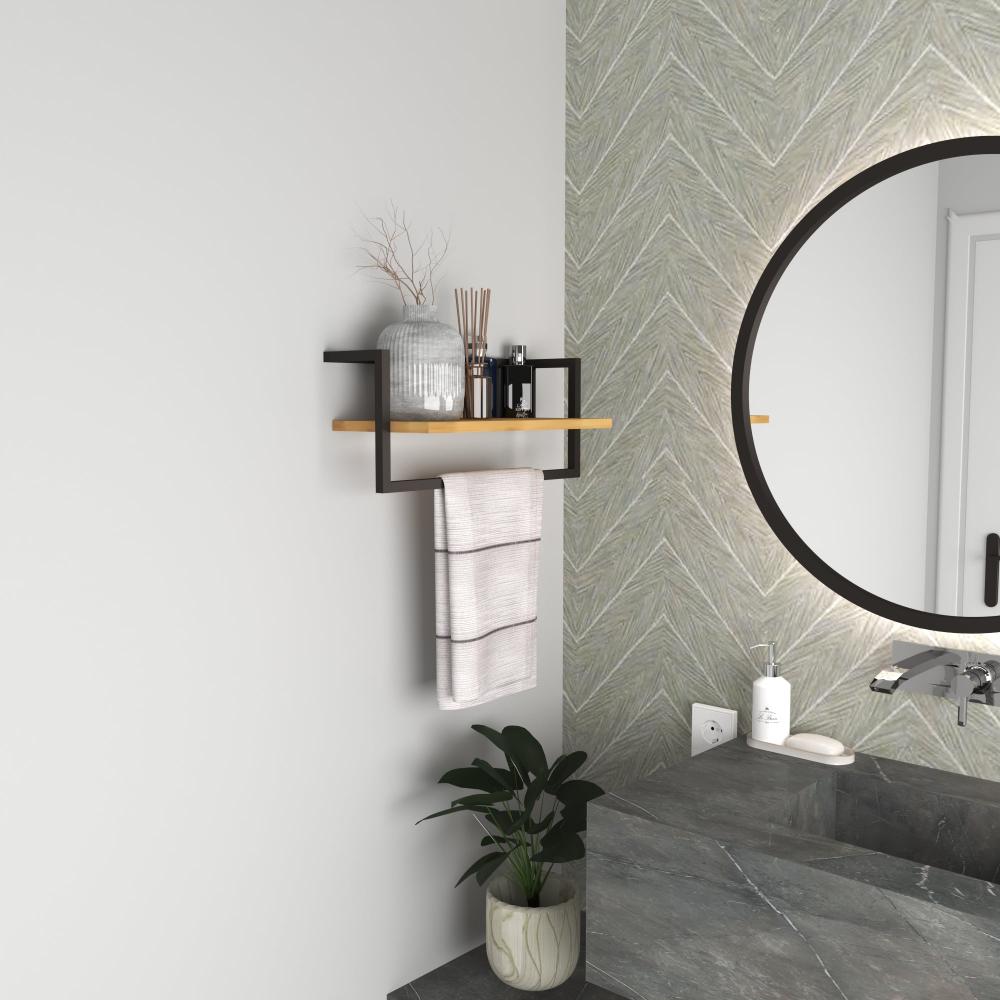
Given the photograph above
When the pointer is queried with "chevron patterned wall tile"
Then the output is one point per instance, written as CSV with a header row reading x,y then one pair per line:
x,y
698,133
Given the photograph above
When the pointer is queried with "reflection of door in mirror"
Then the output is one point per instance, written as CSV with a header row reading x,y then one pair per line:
x,y
970,430
882,451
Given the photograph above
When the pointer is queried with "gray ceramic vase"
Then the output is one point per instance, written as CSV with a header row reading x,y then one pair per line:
x,y
426,367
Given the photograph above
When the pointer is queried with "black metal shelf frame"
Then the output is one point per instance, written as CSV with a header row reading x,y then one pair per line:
x,y
384,483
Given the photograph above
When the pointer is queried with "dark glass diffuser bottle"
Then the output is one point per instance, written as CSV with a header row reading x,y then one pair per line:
x,y
518,381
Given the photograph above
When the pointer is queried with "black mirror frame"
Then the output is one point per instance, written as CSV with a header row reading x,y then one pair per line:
x,y
790,246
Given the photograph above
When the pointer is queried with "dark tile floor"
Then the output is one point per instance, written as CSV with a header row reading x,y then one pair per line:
x,y
469,977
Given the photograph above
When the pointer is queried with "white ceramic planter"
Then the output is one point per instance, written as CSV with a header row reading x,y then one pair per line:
x,y
532,948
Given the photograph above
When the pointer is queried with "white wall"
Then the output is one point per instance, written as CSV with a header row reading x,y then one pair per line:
x,y
217,720
842,365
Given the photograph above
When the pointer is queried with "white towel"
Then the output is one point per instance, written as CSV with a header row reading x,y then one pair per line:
x,y
487,536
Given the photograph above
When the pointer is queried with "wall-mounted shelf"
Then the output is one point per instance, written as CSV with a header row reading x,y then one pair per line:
x,y
480,426
383,428
759,418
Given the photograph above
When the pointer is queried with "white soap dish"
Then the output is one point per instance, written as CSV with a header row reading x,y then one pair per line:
x,y
808,746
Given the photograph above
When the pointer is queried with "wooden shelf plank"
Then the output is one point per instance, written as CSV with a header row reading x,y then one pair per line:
x,y
759,418
480,426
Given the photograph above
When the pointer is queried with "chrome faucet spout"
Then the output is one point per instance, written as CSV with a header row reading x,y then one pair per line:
x,y
959,675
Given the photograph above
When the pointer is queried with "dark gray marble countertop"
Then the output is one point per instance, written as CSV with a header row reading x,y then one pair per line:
x,y
751,875
786,807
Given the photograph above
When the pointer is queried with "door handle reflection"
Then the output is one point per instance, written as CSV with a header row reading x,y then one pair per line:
x,y
992,569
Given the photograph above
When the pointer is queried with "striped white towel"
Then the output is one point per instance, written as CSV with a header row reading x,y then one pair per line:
x,y
487,536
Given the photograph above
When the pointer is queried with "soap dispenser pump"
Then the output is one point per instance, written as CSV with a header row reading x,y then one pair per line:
x,y
772,701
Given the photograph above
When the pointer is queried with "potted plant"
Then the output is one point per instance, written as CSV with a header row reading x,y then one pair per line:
x,y
532,815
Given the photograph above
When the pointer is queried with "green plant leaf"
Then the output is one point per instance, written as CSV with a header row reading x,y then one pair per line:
x,y
578,792
472,777
533,793
540,826
560,845
563,768
525,750
504,779
574,817
453,809
492,735
484,799
499,741
487,870
518,780
508,825
492,816
494,841
488,863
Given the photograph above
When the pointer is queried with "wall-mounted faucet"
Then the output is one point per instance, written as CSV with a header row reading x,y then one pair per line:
x,y
958,674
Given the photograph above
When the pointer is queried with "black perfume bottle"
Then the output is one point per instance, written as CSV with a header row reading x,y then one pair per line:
x,y
518,384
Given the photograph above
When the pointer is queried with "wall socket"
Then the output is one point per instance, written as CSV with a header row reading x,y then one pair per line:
x,y
710,727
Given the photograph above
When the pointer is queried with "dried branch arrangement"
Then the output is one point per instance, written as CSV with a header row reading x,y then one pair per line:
x,y
397,261
472,310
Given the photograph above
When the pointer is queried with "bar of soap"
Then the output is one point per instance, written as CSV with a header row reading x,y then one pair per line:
x,y
814,743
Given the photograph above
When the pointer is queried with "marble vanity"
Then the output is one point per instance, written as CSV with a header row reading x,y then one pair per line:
x,y
741,874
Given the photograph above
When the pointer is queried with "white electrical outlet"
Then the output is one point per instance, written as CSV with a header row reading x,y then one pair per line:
x,y
710,727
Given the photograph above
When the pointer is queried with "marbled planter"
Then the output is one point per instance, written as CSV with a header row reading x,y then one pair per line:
x,y
532,948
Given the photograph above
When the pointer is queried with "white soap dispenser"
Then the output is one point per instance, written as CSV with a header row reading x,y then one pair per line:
x,y
772,702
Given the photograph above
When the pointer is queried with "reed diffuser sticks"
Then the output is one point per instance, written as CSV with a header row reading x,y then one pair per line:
x,y
472,310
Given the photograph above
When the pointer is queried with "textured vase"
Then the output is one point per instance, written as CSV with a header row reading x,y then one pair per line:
x,y
426,367
532,948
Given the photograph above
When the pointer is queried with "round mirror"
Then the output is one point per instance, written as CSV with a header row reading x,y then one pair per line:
x,y
865,388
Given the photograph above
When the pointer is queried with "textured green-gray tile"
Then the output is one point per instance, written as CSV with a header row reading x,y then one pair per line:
x,y
698,132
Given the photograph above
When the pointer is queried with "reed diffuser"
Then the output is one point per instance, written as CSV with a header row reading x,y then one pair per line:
x,y
472,309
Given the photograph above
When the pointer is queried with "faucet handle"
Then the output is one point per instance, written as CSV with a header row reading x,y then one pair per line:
x,y
963,686
976,678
